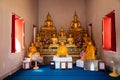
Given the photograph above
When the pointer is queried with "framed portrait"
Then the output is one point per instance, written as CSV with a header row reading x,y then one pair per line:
x,y
63,65
69,65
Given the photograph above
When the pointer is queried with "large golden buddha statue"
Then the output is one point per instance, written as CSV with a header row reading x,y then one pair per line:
x,y
48,25
90,52
62,50
75,24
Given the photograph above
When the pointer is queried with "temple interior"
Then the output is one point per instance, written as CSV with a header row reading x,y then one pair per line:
x,y
61,34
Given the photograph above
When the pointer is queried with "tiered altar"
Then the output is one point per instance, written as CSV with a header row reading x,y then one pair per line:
x,y
49,39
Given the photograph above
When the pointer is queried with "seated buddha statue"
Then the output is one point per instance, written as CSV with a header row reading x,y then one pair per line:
x,y
62,35
38,37
62,50
48,25
90,52
70,41
54,40
86,40
38,43
32,49
75,24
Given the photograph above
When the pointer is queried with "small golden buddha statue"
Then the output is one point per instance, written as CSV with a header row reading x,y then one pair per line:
x,y
38,43
32,49
48,25
75,24
62,35
54,40
70,41
90,52
38,38
62,50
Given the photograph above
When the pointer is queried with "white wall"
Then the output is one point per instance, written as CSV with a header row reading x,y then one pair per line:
x,y
28,10
96,10
62,12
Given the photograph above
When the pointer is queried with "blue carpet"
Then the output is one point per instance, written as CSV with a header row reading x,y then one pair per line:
x,y
45,73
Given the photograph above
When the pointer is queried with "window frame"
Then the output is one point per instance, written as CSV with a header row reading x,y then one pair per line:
x,y
17,23
112,32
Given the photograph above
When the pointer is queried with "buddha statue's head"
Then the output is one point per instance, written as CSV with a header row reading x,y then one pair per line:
x,y
32,44
48,16
90,43
85,35
62,43
54,35
70,35
75,17
62,29
38,40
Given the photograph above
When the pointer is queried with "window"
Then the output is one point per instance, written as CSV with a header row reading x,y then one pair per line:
x,y
109,33
17,36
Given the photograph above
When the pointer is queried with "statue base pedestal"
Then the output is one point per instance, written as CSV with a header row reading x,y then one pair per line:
x,y
71,45
53,45
62,39
36,67
114,74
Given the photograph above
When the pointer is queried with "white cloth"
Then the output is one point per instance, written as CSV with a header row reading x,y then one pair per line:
x,y
80,63
59,60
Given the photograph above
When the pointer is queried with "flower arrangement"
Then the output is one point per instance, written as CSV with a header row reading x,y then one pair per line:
x,y
82,55
78,42
46,42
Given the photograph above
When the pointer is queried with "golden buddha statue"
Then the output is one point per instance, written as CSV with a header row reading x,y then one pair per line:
x,y
62,35
75,24
54,40
32,49
38,38
70,41
86,40
62,50
48,25
90,52
38,43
